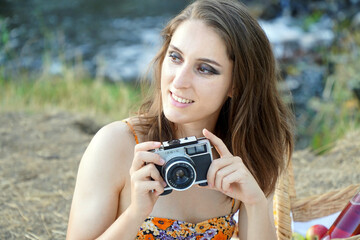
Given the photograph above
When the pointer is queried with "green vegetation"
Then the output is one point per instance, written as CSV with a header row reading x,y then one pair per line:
x,y
70,92
311,19
338,111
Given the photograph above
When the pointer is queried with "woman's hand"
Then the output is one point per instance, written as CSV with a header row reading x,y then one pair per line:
x,y
146,182
229,175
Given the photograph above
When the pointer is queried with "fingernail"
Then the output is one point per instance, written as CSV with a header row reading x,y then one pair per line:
x,y
162,161
210,185
164,184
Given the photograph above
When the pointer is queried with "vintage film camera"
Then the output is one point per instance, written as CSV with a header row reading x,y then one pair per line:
x,y
187,161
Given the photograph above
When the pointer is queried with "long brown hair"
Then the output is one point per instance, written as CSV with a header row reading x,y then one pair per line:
x,y
254,123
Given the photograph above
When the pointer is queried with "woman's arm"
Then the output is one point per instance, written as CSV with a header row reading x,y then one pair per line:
x,y
102,174
257,221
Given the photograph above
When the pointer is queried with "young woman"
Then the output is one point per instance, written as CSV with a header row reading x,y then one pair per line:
x,y
214,77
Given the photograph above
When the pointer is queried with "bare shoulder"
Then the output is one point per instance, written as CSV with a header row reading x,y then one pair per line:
x,y
102,175
114,134
110,153
115,137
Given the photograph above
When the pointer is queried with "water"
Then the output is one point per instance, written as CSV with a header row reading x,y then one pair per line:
x,y
112,39
288,37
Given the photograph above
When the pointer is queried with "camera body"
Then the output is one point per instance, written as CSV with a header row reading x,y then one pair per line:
x,y
187,161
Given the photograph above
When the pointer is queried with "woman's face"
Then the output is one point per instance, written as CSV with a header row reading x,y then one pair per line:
x,y
195,75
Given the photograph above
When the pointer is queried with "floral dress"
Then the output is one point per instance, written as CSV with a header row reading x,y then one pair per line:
x,y
168,229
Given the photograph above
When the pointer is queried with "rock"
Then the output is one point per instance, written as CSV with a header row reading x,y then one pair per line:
x,y
87,125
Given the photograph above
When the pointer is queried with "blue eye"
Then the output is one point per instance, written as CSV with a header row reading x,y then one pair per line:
x,y
175,57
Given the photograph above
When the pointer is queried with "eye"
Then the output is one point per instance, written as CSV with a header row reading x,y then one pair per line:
x,y
175,57
207,69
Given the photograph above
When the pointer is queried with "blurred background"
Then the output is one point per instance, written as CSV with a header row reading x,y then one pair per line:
x,y
316,44
68,67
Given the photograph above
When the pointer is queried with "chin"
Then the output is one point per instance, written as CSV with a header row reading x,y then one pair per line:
x,y
175,118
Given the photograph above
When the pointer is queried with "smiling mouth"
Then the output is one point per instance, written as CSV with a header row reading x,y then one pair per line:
x,y
181,100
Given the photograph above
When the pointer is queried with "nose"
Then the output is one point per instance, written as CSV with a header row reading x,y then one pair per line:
x,y
183,77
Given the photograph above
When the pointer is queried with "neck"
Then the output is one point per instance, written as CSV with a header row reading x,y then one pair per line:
x,y
193,129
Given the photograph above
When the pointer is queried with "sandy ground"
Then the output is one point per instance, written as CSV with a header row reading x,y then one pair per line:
x,y
40,153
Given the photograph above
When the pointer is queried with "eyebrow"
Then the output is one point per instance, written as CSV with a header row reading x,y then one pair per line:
x,y
201,59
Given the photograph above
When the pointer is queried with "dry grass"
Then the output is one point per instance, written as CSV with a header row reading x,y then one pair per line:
x,y
40,153
337,168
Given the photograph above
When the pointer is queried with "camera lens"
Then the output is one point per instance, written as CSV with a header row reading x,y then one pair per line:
x,y
180,173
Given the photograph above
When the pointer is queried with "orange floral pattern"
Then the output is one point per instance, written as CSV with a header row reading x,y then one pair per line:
x,y
162,223
220,228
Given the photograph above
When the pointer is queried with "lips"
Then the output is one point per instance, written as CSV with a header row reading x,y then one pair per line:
x,y
180,99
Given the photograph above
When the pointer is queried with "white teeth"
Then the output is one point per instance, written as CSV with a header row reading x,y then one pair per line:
x,y
181,100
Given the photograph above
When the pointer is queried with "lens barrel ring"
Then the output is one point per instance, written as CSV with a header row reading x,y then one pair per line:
x,y
179,173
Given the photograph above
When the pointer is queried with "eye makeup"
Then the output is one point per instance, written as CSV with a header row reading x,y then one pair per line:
x,y
203,66
175,57
207,69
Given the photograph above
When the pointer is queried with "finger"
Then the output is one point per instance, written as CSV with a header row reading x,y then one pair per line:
x,y
146,187
155,175
146,146
143,158
234,177
221,174
148,173
155,187
217,143
214,167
